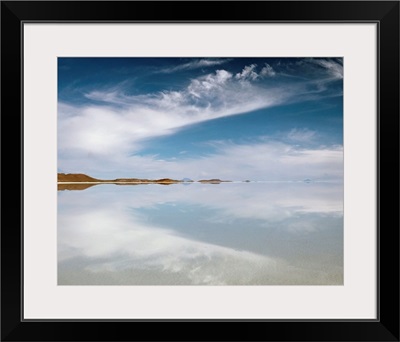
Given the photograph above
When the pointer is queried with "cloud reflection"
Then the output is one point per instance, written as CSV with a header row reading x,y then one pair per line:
x,y
152,234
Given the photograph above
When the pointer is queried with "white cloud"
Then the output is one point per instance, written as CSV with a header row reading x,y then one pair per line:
x,y
248,73
123,122
269,161
301,135
334,69
197,64
213,95
267,71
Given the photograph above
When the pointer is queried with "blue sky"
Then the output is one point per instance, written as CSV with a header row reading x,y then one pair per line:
x,y
229,118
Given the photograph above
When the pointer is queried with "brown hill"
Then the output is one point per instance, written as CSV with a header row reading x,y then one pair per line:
x,y
166,180
75,177
213,181
128,180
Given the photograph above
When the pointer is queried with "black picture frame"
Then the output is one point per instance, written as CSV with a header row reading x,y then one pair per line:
x,y
15,328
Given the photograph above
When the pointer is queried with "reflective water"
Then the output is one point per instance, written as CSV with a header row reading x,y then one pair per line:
x,y
201,234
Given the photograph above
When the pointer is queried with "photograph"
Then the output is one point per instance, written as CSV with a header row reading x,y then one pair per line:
x,y
218,171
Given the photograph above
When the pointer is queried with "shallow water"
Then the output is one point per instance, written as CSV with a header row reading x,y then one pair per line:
x,y
201,234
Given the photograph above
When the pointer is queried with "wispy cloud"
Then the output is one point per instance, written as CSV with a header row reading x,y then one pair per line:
x,y
301,135
196,64
210,96
123,121
270,161
333,67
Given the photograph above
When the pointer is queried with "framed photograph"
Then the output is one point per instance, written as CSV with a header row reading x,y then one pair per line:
x,y
199,163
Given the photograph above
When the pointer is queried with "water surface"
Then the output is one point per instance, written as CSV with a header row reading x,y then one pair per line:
x,y
201,234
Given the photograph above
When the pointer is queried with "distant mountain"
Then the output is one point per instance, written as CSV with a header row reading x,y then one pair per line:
x,y
75,177
213,181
